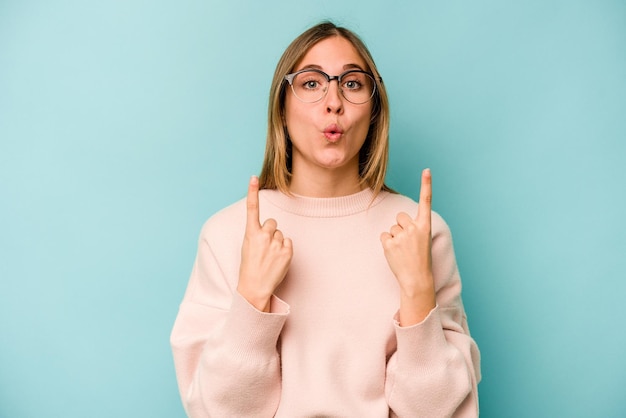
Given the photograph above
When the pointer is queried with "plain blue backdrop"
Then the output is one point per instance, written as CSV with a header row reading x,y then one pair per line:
x,y
125,124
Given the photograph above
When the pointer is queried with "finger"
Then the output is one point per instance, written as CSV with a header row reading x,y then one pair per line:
x,y
404,219
270,225
252,205
426,196
385,236
287,243
278,236
395,230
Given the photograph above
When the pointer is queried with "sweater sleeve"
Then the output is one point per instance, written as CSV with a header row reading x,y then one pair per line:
x,y
436,367
225,350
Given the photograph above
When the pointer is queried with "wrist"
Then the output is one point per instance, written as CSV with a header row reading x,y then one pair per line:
x,y
261,302
416,286
415,305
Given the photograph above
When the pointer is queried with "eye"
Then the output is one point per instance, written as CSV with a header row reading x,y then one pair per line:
x,y
309,80
352,84
311,84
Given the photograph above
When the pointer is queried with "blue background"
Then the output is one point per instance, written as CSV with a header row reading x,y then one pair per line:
x,y
125,124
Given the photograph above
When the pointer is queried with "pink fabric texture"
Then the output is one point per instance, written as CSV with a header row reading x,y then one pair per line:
x,y
331,345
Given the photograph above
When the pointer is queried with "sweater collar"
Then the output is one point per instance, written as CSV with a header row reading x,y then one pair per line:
x,y
324,207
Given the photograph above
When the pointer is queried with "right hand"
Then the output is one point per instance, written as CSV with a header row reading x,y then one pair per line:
x,y
265,255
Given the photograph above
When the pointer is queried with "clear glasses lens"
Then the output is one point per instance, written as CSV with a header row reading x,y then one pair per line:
x,y
311,86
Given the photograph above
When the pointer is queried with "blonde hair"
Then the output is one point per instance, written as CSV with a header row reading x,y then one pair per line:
x,y
373,156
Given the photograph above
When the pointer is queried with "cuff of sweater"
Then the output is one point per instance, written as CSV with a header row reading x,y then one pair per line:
x,y
252,331
419,344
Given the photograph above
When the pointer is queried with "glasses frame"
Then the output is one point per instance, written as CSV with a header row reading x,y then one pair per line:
x,y
290,77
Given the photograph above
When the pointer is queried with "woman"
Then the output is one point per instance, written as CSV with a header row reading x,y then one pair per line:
x,y
325,293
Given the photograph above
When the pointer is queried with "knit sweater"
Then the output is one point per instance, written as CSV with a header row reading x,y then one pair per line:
x,y
331,345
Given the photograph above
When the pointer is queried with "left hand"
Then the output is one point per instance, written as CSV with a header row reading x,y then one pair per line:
x,y
407,248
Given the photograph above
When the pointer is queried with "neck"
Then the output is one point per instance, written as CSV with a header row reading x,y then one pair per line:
x,y
325,183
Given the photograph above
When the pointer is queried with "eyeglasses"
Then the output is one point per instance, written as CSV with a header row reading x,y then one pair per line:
x,y
310,85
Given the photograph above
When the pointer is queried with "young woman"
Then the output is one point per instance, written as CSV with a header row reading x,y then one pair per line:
x,y
324,293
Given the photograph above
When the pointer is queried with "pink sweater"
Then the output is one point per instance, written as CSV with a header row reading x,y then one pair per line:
x,y
331,346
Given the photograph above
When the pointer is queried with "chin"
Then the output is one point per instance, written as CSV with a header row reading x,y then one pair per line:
x,y
335,165
334,162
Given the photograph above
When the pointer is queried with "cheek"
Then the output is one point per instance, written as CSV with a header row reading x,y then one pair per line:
x,y
293,115
364,121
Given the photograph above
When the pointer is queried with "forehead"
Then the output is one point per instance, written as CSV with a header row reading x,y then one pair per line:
x,y
334,53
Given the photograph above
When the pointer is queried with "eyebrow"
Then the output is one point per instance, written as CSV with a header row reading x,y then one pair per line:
x,y
345,67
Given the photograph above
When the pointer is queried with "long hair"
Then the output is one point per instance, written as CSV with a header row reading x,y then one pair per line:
x,y
373,156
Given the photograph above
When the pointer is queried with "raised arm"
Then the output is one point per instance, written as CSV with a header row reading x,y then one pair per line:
x,y
436,367
225,348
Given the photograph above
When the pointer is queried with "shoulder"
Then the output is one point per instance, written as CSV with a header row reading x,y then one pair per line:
x,y
227,222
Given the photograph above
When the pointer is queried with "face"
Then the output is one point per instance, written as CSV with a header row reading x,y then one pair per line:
x,y
328,134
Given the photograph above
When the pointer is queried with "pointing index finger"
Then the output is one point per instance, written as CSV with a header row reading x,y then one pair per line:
x,y
252,205
426,195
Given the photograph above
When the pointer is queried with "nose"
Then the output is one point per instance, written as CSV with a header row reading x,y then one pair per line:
x,y
334,98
